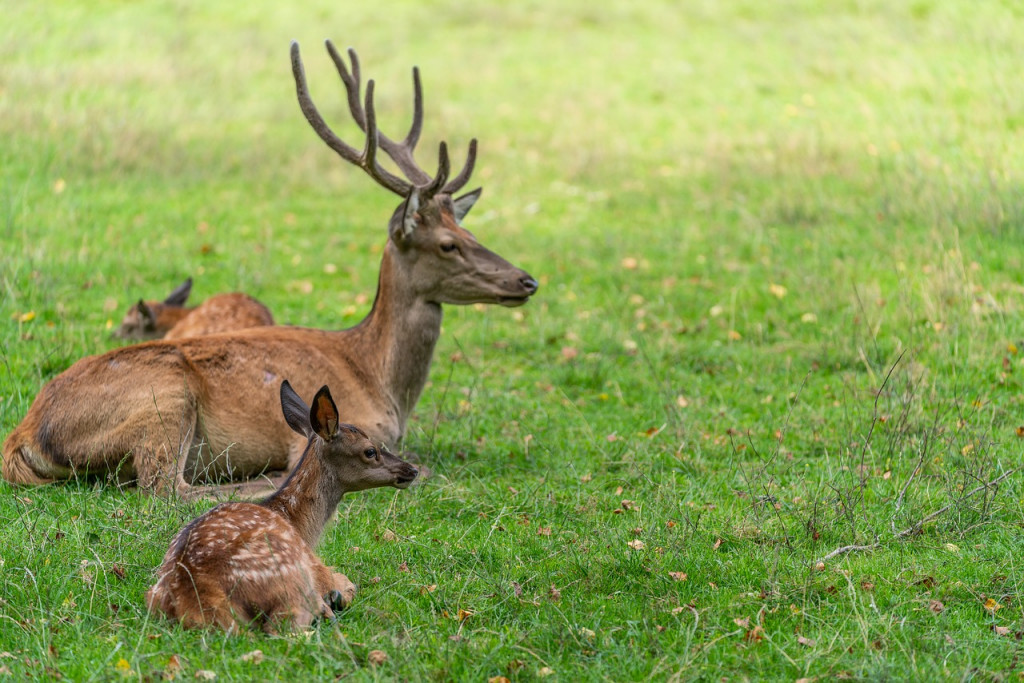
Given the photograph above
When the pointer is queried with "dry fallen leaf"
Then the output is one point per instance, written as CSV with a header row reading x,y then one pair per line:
x,y
544,671
377,657
936,606
389,535
173,667
628,505
254,657
543,531
404,567
636,544
206,675
809,642
428,589
498,679
867,585
742,622
992,606
678,576
554,594
1001,630
717,544
465,614
569,352
754,635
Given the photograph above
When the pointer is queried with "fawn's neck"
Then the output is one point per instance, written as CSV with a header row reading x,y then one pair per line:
x,y
308,497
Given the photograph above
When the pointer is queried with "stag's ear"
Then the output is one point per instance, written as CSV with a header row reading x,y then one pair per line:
x,y
180,294
296,412
464,203
148,316
402,230
323,416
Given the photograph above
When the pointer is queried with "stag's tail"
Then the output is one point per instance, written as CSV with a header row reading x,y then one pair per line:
x,y
16,462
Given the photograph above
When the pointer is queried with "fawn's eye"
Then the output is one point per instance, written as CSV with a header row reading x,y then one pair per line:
x,y
370,453
449,247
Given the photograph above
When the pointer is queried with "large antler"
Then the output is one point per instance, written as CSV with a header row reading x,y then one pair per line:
x,y
401,153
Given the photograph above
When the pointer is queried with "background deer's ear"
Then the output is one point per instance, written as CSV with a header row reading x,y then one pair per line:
x,y
180,294
296,412
402,229
323,416
464,203
148,316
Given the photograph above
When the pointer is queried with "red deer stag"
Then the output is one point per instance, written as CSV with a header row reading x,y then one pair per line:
x,y
245,564
171,319
165,414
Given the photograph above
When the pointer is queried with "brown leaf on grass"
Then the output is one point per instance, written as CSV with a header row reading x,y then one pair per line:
x,y
498,679
810,679
1001,630
636,544
991,606
936,606
465,614
389,536
670,524
377,657
254,657
628,504
926,581
754,635
543,531
517,589
515,665
554,594
570,352
678,576
404,567
637,531
428,589
809,642
717,544
742,622
1020,432
117,570
867,585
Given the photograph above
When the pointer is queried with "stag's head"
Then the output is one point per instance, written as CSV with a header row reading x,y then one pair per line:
x,y
357,464
443,261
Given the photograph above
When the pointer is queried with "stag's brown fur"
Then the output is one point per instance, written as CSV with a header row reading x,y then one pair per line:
x,y
245,563
165,414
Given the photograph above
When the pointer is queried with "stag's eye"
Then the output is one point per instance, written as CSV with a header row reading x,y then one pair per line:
x,y
449,247
370,453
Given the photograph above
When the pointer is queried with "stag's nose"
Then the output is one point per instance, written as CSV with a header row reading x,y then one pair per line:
x,y
529,284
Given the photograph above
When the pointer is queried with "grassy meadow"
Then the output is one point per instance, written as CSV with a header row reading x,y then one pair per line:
x,y
780,248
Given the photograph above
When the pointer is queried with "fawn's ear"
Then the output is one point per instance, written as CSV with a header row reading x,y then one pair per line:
x,y
146,312
323,416
296,412
180,294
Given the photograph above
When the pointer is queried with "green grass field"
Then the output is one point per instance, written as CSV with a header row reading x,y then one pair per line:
x,y
780,248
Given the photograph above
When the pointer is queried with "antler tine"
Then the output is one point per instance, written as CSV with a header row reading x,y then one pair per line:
x,y
312,115
443,167
456,183
351,82
417,111
369,156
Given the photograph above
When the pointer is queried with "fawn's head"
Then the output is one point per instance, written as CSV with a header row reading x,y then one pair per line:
x,y
356,462
143,320
441,261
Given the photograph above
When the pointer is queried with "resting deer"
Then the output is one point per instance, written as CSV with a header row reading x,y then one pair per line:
x,y
254,563
165,414
171,319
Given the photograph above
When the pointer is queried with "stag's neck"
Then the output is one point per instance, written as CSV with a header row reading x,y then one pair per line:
x,y
309,496
400,333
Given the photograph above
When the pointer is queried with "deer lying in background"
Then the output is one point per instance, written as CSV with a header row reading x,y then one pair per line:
x,y
165,414
254,563
172,319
